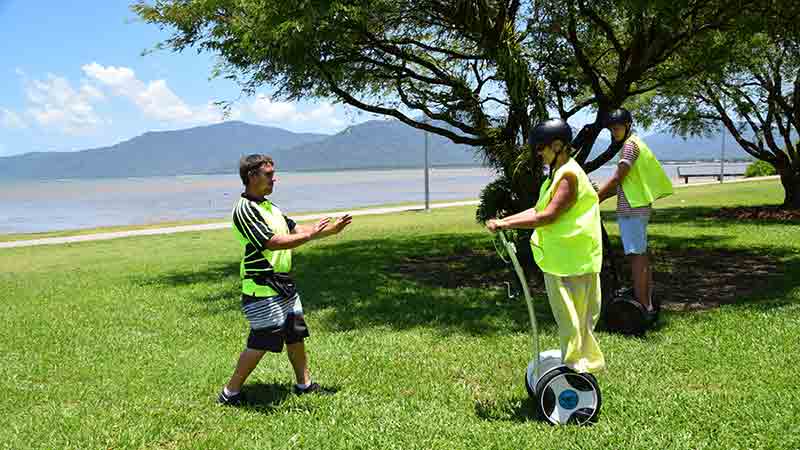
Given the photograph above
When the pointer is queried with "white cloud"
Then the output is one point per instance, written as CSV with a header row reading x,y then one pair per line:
x,y
283,113
91,92
155,99
10,119
211,113
55,103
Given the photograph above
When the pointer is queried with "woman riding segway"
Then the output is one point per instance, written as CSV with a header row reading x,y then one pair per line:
x,y
567,246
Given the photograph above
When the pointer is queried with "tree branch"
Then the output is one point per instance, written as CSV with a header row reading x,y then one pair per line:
x,y
749,147
604,157
451,53
349,99
579,106
433,115
572,38
609,32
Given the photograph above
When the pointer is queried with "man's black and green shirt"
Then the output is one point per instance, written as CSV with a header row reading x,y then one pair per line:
x,y
264,272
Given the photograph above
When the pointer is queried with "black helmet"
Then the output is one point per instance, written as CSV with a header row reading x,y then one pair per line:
x,y
548,131
618,117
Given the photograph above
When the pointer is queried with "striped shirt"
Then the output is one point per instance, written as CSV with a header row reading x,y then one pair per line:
x,y
249,220
630,153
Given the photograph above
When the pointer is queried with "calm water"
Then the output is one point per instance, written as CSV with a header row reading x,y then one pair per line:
x,y
37,206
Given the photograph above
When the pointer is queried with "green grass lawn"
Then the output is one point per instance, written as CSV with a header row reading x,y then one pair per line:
x,y
125,344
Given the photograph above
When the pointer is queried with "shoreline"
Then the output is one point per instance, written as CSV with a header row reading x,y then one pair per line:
x,y
349,169
214,224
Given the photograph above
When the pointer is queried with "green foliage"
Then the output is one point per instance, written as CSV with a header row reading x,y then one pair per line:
x,y
754,93
495,200
759,168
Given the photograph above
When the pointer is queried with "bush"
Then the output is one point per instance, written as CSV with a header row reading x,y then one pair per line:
x,y
760,169
495,200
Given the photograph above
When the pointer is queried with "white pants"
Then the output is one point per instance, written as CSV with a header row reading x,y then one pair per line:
x,y
575,302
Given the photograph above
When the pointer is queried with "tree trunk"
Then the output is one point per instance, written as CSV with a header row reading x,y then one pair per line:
x,y
526,190
790,179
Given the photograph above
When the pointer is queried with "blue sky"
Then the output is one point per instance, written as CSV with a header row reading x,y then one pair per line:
x,y
73,77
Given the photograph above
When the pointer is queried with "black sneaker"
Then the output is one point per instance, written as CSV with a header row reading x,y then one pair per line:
x,y
313,388
230,400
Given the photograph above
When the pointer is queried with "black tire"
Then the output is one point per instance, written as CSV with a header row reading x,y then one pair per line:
x,y
582,387
628,316
652,318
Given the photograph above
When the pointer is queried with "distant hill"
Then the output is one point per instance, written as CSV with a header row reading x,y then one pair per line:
x,y
208,149
674,148
217,148
376,144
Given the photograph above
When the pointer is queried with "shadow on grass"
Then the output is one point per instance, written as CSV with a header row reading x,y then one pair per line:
x,y
699,273
386,282
266,398
454,282
700,216
449,282
514,410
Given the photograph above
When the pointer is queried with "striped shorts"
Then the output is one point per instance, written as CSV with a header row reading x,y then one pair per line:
x,y
274,321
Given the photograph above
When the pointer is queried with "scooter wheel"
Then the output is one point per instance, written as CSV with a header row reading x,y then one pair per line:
x,y
627,316
568,397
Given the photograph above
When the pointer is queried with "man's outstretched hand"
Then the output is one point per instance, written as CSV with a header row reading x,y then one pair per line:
x,y
341,223
319,227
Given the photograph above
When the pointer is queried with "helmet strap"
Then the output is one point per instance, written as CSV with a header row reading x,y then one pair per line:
x,y
552,163
628,128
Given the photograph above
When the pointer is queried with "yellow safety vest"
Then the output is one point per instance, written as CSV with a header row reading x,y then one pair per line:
x,y
280,260
573,244
646,182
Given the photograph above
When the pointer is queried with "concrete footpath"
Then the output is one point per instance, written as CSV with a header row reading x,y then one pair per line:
x,y
219,225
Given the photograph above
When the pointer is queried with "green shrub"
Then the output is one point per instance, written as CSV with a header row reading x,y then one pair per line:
x,y
495,200
760,169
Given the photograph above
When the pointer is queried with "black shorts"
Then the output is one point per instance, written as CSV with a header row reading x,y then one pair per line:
x,y
271,339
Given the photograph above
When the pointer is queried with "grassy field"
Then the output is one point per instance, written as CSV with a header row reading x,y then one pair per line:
x,y
125,344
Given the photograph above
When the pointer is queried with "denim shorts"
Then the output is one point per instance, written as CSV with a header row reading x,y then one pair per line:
x,y
633,231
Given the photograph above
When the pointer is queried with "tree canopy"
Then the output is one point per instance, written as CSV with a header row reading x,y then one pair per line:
x,y
478,72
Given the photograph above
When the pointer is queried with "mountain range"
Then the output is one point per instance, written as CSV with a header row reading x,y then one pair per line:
x,y
217,149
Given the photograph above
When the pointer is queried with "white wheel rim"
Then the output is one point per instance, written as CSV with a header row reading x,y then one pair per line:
x,y
568,399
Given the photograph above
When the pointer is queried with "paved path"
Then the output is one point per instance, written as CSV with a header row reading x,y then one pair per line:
x,y
218,225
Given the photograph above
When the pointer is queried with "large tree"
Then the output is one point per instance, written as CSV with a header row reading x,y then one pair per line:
x,y
604,54
475,71
755,95
456,68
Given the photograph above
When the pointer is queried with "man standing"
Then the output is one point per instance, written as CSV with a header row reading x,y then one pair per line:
x,y
638,181
269,297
